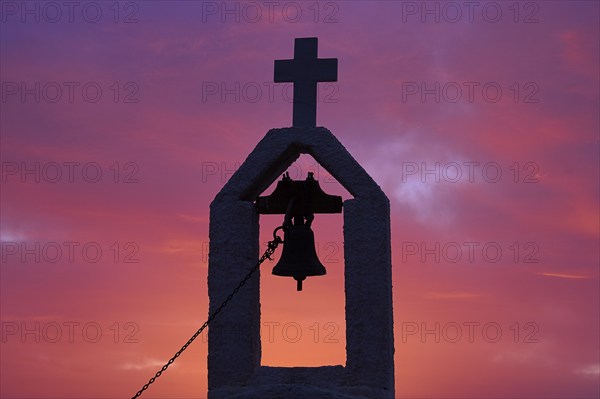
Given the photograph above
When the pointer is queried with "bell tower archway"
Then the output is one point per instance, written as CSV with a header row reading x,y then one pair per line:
x,y
234,366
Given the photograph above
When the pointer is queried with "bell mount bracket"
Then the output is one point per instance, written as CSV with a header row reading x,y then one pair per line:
x,y
308,198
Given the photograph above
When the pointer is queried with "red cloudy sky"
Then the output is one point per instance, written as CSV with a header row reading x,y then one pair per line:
x,y
120,122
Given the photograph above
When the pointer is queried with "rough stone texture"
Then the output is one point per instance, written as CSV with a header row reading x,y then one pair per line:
x,y
234,336
234,369
368,281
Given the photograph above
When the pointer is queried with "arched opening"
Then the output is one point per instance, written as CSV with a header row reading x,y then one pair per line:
x,y
308,327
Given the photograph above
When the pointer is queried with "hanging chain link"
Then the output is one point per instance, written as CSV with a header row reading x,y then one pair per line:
x,y
272,245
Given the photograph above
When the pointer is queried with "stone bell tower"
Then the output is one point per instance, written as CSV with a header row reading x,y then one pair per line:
x,y
234,345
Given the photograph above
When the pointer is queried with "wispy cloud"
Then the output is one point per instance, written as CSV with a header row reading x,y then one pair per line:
x,y
564,275
591,370
531,354
183,247
451,295
144,364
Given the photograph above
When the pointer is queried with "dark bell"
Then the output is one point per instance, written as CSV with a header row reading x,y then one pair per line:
x,y
299,257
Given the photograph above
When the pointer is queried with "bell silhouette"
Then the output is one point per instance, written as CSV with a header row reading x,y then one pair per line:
x,y
299,257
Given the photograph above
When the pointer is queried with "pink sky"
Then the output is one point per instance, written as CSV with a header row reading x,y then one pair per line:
x,y
166,144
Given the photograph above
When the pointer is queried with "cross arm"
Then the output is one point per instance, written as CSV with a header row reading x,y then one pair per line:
x,y
284,71
327,70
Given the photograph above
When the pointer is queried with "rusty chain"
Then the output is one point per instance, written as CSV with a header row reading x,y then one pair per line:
x,y
272,245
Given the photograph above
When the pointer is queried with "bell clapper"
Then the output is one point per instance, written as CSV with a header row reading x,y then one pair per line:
x,y
299,283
